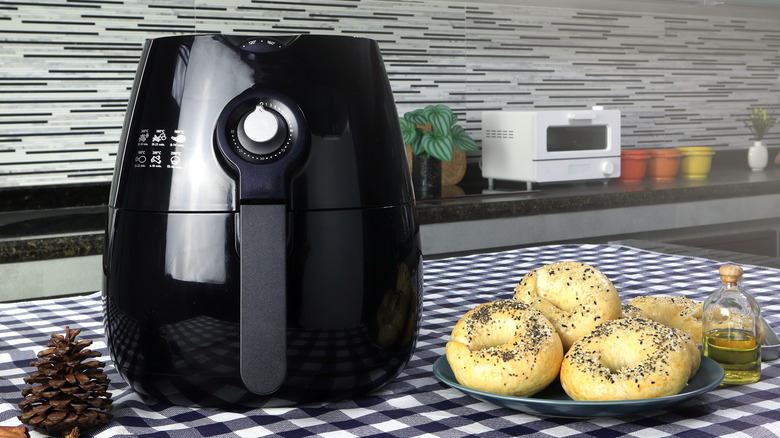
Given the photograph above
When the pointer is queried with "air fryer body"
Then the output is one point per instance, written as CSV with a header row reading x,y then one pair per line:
x,y
231,256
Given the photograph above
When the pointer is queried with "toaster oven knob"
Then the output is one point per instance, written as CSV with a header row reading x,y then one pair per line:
x,y
607,168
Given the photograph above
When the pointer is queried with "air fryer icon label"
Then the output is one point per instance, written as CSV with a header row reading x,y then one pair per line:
x,y
179,138
174,160
159,148
159,138
156,160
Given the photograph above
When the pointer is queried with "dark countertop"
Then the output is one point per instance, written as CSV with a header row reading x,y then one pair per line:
x,y
727,180
47,223
44,223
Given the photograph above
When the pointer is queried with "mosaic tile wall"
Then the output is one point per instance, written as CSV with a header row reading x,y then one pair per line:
x,y
67,67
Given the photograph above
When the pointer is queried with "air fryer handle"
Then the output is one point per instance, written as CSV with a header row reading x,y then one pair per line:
x,y
263,352
264,163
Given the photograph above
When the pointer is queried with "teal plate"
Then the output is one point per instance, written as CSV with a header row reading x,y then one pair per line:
x,y
554,402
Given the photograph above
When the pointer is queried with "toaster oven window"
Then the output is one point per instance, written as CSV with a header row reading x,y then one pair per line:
x,y
577,138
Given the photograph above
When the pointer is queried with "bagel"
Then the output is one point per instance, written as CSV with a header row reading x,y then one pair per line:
x,y
574,296
629,311
505,347
676,312
627,359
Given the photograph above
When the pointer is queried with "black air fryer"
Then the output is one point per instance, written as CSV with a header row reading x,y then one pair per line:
x,y
262,246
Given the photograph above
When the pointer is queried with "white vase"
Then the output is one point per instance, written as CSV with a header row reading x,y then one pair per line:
x,y
758,155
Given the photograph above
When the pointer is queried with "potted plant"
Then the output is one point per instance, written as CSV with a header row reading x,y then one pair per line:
x,y
759,123
433,135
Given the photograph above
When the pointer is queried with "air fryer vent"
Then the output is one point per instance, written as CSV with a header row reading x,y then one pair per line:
x,y
499,133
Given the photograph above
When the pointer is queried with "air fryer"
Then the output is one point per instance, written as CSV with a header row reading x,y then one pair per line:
x,y
262,246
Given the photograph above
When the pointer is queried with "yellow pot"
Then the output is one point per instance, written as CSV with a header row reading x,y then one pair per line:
x,y
696,161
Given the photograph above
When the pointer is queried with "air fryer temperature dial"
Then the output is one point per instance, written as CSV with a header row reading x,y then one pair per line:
x,y
260,130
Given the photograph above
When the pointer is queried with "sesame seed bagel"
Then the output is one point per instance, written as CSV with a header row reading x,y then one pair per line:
x,y
628,359
505,347
629,311
574,296
676,312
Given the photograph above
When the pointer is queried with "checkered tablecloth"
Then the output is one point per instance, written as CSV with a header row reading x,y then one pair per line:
x,y
415,403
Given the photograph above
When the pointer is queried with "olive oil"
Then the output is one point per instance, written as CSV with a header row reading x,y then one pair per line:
x,y
730,332
737,351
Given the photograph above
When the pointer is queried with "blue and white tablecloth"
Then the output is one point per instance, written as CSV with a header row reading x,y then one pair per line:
x,y
415,403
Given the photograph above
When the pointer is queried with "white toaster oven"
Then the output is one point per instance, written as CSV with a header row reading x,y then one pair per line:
x,y
550,146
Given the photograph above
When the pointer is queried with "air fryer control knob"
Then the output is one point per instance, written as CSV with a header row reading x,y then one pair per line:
x,y
259,129
262,131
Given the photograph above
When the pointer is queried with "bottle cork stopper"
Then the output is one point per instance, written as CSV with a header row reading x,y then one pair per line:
x,y
730,271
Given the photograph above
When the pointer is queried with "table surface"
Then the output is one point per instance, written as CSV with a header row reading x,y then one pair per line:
x,y
416,403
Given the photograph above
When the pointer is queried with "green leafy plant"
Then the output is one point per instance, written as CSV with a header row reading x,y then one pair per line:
x,y
759,123
433,132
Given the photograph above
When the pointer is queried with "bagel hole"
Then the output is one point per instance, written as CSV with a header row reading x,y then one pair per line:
x,y
617,363
494,336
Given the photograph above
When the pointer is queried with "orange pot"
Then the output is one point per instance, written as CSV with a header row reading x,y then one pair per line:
x,y
664,164
633,165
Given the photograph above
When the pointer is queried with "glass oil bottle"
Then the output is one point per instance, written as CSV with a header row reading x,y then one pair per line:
x,y
731,328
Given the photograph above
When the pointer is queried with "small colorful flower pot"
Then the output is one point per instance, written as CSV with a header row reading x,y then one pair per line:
x,y
633,165
664,164
696,162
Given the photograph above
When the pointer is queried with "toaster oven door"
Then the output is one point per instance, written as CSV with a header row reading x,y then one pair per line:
x,y
577,134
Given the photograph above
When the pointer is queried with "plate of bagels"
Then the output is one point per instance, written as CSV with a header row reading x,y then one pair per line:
x,y
554,402
564,345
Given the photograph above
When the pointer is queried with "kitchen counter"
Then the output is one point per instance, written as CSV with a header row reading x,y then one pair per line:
x,y
68,222
513,199
44,223
731,199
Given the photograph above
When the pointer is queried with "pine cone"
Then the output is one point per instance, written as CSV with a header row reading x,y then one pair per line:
x,y
66,392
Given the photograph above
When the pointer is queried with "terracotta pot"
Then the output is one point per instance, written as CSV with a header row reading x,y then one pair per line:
x,y
633,165
664,164
696,161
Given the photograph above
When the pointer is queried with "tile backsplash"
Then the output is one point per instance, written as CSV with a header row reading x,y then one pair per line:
x,y
679,79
